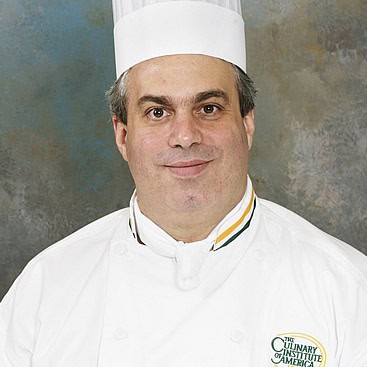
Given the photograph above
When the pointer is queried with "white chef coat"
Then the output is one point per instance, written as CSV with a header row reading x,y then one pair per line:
x,y
265,289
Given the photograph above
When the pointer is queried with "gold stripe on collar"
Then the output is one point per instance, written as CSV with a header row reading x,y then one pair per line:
x,y
229,230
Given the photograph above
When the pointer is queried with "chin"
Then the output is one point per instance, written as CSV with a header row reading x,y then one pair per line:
x,y
191,202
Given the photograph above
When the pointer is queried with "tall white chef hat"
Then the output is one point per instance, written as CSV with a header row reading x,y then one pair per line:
x,y
145,29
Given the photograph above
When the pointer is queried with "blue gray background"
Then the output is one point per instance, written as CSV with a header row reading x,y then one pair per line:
x,y
59,168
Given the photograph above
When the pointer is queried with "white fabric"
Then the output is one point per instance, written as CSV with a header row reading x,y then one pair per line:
x,y
179,27
98,298
122,8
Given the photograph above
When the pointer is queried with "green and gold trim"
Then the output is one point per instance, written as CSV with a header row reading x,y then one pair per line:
x,y
237,228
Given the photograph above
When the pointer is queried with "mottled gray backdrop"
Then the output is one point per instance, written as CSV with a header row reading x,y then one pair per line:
x,y
59,168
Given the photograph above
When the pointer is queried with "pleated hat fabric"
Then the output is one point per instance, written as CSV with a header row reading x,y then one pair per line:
x,y
145,29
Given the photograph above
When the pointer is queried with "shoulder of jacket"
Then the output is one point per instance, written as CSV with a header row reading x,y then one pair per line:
x,y
314,242
74,256
97,232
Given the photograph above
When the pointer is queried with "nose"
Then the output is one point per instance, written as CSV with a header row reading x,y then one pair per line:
x,y
185,131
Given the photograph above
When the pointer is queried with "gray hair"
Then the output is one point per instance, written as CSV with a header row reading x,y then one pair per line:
x,y
117,95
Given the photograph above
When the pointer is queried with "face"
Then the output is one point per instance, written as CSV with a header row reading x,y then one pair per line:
x,y
185,141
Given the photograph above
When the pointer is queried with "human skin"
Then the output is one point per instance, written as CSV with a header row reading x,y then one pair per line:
x,y
185,142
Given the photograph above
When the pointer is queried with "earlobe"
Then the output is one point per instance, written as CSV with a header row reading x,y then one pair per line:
x,y
249,123
120,136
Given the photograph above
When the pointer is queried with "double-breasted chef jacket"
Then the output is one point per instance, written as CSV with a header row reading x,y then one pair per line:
x,y
266,288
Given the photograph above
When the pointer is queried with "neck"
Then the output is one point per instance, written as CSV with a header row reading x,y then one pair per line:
x,y
189,226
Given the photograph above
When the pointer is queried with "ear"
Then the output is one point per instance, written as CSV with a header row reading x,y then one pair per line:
x,y
249,123
120,135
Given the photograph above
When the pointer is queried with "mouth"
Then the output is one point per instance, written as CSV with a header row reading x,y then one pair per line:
x,y
188,169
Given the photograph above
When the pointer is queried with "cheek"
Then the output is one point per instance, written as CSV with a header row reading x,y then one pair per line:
x,y
141,150
234,141
235,151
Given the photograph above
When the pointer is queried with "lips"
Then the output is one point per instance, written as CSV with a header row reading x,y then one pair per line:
x,y
188,169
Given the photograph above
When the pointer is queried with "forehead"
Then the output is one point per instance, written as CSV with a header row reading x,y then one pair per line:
x,y
181,76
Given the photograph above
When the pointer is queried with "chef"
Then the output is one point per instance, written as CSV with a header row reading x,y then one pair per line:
x,y
198,271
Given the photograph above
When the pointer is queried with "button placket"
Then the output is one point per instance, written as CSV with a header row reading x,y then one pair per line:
x,y
190,260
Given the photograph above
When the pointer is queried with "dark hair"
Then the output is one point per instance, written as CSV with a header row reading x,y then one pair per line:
x,y
118,93
246,91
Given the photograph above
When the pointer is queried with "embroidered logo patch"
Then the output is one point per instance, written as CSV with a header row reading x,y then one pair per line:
x,y
297,349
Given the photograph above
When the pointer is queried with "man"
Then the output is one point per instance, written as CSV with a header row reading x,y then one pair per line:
x,y
198,271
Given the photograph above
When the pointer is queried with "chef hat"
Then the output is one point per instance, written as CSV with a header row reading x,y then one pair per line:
x,y
145,29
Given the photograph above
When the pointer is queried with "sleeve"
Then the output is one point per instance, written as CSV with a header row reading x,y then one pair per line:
x,y
19,318
353,326
4,358
356,344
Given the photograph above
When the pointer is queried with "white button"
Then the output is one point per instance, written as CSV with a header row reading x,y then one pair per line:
x,y
120,249
120,334
259,255
189,283
237,336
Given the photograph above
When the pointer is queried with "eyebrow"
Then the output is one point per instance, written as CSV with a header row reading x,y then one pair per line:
x,y
200,97
161,100
213,93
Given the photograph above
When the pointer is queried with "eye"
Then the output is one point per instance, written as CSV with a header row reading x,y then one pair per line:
x,y
157,113
209,109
